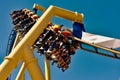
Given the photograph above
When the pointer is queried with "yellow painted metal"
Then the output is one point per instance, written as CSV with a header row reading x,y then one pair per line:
x,y
6,68
45,19
66,14
32,64
47,69
22,50
47,62
21,75
36,6
17,39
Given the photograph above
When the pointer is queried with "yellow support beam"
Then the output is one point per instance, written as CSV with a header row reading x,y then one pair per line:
x,y
47,69
17,39
21,75
32,64
47,62
23,49
36,6
46,18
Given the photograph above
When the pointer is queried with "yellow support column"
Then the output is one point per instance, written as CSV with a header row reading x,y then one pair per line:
x,y
21,71
17,39
7,66
21,75
32,64
36,6
47,62
47,69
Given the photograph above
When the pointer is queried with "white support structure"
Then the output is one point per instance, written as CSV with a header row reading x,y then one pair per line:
x,y
101,40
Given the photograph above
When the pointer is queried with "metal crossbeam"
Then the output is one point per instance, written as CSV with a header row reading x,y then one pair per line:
x,y
96,47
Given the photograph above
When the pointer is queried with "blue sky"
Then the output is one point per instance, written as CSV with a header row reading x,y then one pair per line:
x,y
101,17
